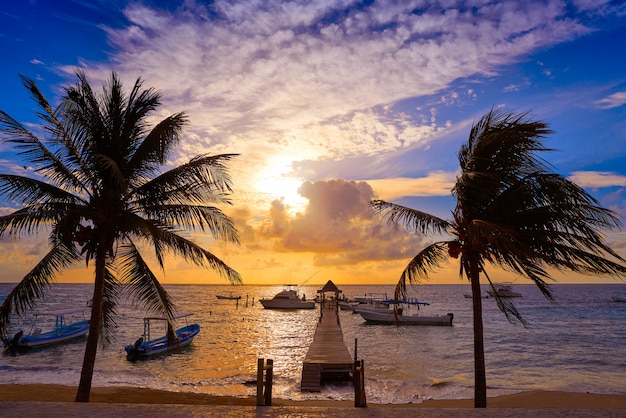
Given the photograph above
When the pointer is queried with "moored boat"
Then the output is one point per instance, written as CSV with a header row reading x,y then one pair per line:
x,y
61,333
345,305
378,315
287,299
503,290
469,296
146,347
619,298
231,296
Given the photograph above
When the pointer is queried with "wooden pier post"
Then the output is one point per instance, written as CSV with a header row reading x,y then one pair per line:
x,y
264,377
359,384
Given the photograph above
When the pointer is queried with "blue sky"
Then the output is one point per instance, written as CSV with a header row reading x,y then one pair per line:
x,y
333,102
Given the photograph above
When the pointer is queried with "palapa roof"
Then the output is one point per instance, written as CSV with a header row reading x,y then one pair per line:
x,y
329,287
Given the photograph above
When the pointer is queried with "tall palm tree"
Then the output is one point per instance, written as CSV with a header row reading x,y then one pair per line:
x,y
511,212
99,189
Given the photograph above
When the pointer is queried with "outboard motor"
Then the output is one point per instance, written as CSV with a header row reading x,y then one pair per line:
x,y
12,344
133,354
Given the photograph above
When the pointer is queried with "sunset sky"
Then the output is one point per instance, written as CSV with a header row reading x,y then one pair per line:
x,y
331,103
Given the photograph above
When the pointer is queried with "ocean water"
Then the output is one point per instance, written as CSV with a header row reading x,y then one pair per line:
x,y
576,344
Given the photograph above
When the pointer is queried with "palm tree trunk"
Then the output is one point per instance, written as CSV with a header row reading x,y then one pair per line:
x,y
89,360
480,379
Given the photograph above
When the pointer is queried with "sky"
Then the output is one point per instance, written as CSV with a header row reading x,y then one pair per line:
x,y
330,104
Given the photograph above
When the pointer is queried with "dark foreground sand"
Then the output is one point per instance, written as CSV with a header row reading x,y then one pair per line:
x,y
125,395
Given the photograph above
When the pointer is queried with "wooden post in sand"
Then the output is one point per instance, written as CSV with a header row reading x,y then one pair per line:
x,y
359,384
264,377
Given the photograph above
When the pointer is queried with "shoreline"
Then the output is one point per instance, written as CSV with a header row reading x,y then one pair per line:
x,y
134,395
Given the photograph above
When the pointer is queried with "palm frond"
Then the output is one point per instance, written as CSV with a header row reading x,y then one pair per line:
x,y
163,240
203,179
426,261
142,283
505,305
413,220
112,293
27,221
25,295
28,191
156,145
195,217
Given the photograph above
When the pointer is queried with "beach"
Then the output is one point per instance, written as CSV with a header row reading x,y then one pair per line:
x,y
567,363
57,400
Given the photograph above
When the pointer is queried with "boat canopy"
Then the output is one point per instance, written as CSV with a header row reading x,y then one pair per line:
x,y
407,302
162,318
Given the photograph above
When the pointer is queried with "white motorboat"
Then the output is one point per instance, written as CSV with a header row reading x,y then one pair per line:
x,y
287,299
469,296
503,290
388,316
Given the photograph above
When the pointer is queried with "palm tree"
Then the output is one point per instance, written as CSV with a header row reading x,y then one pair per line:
x,y
99,190
513,213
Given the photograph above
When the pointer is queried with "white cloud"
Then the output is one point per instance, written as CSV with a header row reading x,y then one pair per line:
x,y
438,183
305,80
595,179
614,100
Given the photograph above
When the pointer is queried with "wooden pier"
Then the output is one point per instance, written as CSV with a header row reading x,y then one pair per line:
x,y
328,355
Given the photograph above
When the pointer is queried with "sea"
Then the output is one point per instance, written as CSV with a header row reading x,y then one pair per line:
x,y
576,344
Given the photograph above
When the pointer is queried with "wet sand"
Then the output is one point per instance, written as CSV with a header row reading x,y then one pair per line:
x,y
126,395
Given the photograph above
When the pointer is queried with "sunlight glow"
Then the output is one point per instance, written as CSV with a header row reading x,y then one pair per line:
x,y
277,183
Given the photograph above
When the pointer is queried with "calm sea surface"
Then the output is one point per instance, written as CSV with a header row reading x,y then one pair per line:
x,y
577,344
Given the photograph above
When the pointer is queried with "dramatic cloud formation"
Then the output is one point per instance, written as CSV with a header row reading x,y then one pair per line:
x,y
330,104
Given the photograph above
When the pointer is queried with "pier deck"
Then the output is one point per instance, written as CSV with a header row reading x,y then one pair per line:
x,y
328,354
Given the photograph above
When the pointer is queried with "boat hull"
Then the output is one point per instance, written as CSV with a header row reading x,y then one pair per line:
x,y
387,317
286,304
287,299
57,336
161,345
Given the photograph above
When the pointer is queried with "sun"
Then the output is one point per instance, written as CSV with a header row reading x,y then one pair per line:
x,y
277,182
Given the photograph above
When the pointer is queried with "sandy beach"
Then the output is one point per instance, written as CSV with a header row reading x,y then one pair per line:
x,y
122,395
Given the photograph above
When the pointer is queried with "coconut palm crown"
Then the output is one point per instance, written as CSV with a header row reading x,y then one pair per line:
x,y
99,189
514,213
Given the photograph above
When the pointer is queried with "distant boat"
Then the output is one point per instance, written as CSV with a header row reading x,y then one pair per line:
x,y
371,297
504,290
287,299
376,315
469,296
62,332
147,347
344,305
619,298
229,297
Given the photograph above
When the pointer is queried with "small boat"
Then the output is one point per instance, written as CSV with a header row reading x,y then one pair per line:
x,y
62,332
229,297
619,298
146,346
469,296
375,315
287,299
371,297
345,305
504,290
